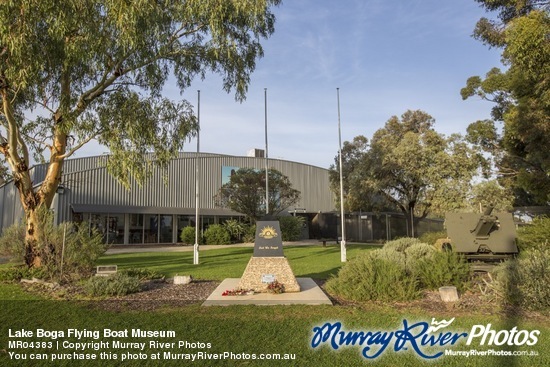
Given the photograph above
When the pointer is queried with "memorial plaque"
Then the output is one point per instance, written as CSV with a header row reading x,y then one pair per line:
x,y
268,242
268,278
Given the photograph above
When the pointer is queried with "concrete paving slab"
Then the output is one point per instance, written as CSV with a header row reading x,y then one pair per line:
x,y
310,294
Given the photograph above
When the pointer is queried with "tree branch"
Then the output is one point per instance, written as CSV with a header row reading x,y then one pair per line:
x,y
14,137
80,145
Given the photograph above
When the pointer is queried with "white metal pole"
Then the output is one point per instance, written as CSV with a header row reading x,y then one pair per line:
x,y
266,158
343,256
197,184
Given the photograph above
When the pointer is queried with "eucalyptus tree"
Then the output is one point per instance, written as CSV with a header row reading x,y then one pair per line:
x,y
410,167
521,97
77,70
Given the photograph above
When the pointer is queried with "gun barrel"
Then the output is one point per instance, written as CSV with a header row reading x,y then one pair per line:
x,y
489,210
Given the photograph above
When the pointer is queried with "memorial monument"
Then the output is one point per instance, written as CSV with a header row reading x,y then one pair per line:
x,y
268,263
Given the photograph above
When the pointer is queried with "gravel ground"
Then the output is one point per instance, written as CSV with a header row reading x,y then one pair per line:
x,y
157,295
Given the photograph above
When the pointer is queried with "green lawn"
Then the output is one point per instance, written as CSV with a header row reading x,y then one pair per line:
x,y
306,261
244,329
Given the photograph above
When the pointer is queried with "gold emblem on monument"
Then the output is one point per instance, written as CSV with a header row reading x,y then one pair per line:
x,y
268,233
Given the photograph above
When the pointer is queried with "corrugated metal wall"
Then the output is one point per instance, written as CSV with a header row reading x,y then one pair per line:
x,y
12,210
87,182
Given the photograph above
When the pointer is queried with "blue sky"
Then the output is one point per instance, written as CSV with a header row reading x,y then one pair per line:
x,y
386,56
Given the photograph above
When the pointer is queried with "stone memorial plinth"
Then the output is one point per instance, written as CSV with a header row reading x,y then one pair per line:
x,y
268,263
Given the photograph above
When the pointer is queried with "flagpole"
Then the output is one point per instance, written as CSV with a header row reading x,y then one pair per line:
x,y
266,158
342,215
197,184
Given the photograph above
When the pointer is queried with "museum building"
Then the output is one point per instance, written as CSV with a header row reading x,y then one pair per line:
x,y
156,211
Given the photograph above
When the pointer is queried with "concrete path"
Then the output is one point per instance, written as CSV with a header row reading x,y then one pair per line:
x,y
310,294
124,249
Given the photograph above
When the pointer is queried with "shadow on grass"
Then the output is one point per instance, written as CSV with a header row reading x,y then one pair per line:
x,y
512,312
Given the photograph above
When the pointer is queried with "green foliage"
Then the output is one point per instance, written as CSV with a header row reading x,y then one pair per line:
x,y
521,97
75,71
13,274
291,227
82,250
442,269
236,229
112,285
142,273
216,234
524,282
399,271
187,235
431,237
250,234
68,251
407,166
245,193
138,46
535,234
12,242
491,193
535,278
368,277
401,244
419,252
16,273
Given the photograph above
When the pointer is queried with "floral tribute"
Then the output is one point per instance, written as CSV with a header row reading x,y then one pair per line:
x,y
238,292
276,287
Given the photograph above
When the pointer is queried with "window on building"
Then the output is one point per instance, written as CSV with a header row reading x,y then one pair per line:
x,y
150,228
136,229
115,229
166,229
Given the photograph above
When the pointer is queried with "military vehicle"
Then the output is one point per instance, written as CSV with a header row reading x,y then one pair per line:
x,y
484,237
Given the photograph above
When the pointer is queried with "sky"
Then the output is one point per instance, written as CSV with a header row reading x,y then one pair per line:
x,y
385,56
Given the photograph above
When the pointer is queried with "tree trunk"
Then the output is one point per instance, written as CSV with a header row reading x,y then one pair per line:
x,y
410,222
34,239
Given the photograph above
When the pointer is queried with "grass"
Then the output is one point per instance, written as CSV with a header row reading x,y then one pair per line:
x,y
243,329
306,261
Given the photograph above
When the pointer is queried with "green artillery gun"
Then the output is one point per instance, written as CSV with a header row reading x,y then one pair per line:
x,y
484,237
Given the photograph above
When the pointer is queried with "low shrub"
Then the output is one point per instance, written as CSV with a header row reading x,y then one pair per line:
x,y
291,228
114,285
216,234
236,229
431,237
398,272
250,234
68,251
82,249
12,242
187,235
524,282
442,269
417,252
14,274
389,255
401,244
534,234
142,274
370,276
